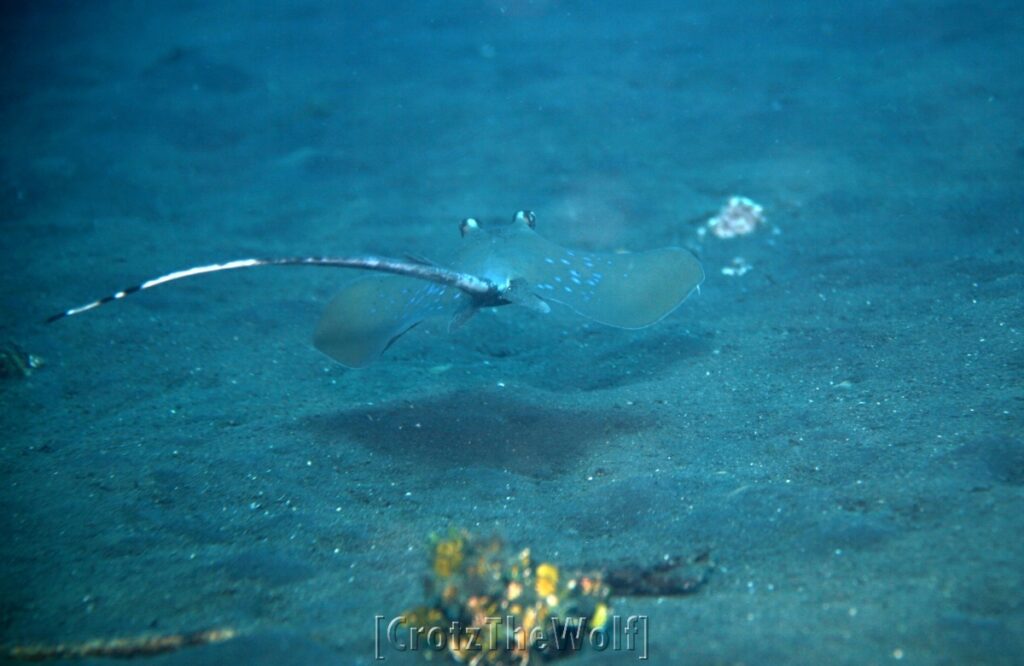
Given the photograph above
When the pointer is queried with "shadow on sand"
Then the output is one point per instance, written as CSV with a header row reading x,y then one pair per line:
x,y
486,429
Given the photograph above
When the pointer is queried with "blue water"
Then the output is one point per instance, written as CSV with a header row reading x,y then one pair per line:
x,y
840,427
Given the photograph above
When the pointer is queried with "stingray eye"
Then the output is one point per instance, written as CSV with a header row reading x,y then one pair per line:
x,y
468,225
526,217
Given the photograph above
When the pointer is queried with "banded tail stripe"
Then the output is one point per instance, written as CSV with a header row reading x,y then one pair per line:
x,y
467,283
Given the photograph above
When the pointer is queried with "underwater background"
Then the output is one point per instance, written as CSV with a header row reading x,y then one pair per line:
x,y
839,428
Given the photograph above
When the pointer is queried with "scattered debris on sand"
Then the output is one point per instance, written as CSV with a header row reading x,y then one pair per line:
x,y
15,363
739,216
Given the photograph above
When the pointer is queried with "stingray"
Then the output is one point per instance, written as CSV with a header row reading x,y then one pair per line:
x,y
505,265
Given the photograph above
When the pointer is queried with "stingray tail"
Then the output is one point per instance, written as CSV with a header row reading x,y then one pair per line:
x,y
415,269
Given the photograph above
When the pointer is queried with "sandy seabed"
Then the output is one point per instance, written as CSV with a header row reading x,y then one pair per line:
x,y
840,427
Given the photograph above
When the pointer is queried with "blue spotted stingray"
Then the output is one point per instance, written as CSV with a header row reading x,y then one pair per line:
x,y
504,265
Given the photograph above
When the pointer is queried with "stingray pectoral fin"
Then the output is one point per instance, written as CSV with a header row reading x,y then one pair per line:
x,y
627,290
521,292
369,314
461,316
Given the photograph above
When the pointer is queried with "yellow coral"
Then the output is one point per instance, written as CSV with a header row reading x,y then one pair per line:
x,y
448,557
475,581
547,580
